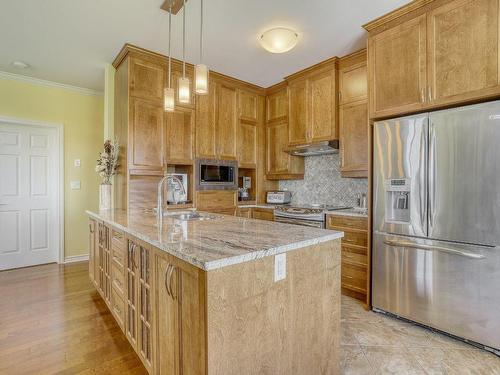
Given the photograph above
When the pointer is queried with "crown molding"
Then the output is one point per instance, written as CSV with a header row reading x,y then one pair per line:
x,y
42,82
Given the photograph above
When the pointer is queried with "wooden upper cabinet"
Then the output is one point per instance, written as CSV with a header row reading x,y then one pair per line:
x,y
397,68
248,106
227,122
463,47
206,111
298,132
278,161
354,139
247,145
321,107
146,79
179,142
146,135
277,106
353,83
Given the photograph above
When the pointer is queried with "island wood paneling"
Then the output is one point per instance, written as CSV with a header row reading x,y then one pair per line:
x,y
299,315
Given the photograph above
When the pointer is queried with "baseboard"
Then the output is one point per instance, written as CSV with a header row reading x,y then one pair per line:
x,y
76,258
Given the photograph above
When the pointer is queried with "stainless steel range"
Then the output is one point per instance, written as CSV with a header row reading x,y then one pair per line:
x,y
308,215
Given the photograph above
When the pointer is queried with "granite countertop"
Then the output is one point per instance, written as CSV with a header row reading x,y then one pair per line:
x,y
349,212
212,244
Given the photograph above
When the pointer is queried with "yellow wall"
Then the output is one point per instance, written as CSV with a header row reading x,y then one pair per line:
x,y
82,118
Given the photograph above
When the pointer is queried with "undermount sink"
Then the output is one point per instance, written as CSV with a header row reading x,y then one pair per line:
x,y
188,215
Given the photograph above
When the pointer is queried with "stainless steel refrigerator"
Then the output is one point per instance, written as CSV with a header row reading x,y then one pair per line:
x,y
436,224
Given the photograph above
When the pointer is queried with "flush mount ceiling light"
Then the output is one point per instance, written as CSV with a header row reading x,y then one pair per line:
x,y
278,39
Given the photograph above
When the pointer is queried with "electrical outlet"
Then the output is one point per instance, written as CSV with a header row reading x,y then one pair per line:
x,y
77,162
75,185
279,267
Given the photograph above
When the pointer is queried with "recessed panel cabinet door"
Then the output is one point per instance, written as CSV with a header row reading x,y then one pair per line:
x,y
463,45
297,126
276,141
179,143
277,106
247,145
146,79
397,61
322,101
248,106
354,139
206,109
227,122
146,135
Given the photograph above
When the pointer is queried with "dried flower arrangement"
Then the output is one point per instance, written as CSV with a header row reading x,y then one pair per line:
x,y
107,163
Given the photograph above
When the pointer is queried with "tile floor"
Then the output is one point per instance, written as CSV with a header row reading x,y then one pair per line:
x,y
373,343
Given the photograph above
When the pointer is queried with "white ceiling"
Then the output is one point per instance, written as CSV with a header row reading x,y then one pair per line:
x,y
69,41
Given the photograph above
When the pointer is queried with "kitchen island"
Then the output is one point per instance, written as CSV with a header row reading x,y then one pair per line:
x,y
222,295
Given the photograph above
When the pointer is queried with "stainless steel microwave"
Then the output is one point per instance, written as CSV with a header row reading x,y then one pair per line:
x,y
212,174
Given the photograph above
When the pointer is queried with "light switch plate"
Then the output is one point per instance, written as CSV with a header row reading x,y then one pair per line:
x,y
77,162
279,267
75,185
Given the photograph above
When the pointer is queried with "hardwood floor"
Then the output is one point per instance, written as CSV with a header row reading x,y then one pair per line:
x,y
52,321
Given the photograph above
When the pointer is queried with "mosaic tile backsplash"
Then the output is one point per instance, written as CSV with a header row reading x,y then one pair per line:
x,y
322,183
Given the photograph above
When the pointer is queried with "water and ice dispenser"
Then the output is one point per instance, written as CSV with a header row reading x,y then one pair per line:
x,y
397,203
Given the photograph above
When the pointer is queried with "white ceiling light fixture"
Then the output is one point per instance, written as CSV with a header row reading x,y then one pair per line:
x,y
201,70
279,39
168,93
184,94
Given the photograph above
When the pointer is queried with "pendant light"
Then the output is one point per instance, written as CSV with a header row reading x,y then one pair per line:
x,y
201,70
169,93
184,94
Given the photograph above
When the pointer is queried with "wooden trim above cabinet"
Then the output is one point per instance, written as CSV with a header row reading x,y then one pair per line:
x,y
316,68
128,49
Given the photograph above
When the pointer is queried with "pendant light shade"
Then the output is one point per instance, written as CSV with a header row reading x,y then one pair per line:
x,y
201,70
201,79
169,99
183,85
184,88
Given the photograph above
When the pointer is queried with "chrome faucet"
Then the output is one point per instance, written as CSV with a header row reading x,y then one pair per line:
x,y
170,180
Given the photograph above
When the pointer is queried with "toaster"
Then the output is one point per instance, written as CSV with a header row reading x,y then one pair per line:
x,y
279,197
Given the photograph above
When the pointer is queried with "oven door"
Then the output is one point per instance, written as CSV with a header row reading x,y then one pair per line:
x,y
308,223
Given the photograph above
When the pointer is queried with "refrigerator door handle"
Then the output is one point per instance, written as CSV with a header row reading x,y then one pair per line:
x,y
432,175
413,245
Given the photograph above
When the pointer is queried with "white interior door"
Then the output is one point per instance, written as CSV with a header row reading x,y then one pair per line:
x,y
29,195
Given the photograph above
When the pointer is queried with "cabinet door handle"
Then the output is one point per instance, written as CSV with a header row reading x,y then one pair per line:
x,y
422,95
172,270
430,93
166,280
90,228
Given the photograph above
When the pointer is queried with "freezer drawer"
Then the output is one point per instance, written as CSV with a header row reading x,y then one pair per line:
x,y
444,285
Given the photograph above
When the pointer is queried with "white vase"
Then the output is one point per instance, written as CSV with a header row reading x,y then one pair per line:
x,y
105,196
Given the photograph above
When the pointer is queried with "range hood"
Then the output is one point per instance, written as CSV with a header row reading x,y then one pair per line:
x,y
314,149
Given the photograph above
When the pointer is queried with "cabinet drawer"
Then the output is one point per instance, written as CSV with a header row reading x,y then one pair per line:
x,y
344,222
118,277
354,254
355,238
354,276
118,307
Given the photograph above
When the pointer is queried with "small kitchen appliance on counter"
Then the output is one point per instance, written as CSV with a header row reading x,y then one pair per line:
x,y
246,183
279,197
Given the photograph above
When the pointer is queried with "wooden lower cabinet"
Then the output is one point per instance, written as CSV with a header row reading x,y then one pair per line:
x,y
180,312
245,212
263,213
355,256
102,265
182,320
92,249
